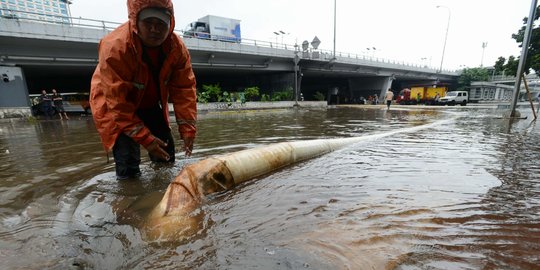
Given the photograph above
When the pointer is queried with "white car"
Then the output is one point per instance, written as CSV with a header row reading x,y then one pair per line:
x,y
455,97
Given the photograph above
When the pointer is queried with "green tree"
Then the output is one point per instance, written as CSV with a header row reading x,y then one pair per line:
x,y
533,54
511,66
499,65
470,75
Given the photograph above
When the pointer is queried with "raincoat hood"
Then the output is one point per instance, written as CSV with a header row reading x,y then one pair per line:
x,y
135,6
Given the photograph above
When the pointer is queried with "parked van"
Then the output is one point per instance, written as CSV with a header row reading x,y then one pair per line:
x,y
455,97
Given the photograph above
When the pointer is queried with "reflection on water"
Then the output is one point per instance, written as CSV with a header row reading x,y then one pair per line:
x,y
464,194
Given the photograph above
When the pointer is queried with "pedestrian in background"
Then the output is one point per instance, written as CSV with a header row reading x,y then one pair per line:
x,y
45,102
389,96
142,65
59,104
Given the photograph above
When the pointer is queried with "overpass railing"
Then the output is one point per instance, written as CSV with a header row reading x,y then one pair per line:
x,y
20,15
107,26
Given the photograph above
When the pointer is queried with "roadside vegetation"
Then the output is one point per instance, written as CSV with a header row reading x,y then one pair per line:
x,y
507,66
214,93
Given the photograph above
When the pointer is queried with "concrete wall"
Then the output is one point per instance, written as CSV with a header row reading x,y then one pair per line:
x,y
222,106
13,93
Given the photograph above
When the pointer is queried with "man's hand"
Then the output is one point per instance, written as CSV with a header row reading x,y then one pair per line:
x,y
156,149
188,145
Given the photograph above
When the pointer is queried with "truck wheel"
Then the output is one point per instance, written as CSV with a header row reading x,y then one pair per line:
x,y
464,103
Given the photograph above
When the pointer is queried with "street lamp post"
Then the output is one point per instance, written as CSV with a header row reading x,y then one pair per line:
x,y
445,36
372,50
296,61
484,45
335,7
521,65
280,33
277,34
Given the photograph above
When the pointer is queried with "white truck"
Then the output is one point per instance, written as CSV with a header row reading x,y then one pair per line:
x,y
455,97
214,28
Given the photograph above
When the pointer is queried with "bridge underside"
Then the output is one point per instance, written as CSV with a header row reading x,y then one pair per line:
x,y
77,79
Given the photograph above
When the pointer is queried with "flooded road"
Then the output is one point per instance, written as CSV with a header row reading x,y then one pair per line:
x,y
463,193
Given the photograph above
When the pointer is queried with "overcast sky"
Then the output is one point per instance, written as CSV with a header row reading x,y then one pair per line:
x,y
405,30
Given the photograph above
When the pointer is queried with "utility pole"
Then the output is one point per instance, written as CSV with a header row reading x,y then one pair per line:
x,y
296,60
522,59
335,6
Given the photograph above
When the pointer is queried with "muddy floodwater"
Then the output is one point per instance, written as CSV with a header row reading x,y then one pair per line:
x,y
462,193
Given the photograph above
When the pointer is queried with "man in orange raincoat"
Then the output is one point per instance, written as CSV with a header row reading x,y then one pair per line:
x,y
142,66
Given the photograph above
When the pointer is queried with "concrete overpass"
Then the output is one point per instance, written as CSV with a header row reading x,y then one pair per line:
x,y
39,55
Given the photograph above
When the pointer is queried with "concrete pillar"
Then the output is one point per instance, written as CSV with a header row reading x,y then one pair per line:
x,y
368,86
387,83
14,100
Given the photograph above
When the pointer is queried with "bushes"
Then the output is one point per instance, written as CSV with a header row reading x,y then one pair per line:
x,y
319,96
251,92
285,95
214,93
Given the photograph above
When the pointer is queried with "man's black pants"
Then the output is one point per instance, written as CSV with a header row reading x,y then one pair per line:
x,y
127,153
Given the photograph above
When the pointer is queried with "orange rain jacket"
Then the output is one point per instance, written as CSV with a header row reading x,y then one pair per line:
x,y
121,77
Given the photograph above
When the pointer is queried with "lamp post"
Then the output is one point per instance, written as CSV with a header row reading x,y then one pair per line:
x,y
280,33
521,65
372,50
445,36
277,34
484,45
335,7
296,61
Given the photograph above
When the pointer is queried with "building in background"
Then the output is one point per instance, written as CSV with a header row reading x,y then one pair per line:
x,y
42,10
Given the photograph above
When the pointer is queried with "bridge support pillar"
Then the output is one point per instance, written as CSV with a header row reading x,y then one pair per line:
x,y
14,101
364,87
387,83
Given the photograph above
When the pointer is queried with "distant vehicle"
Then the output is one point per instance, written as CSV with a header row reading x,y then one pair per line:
x,y
404,97
74,102
214,28
455,97
420,94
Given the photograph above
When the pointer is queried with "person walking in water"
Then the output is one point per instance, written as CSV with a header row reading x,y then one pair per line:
x,y
389,96
142,65
59,104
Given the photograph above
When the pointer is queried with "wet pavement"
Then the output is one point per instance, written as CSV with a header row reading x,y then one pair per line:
x,y
463,193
